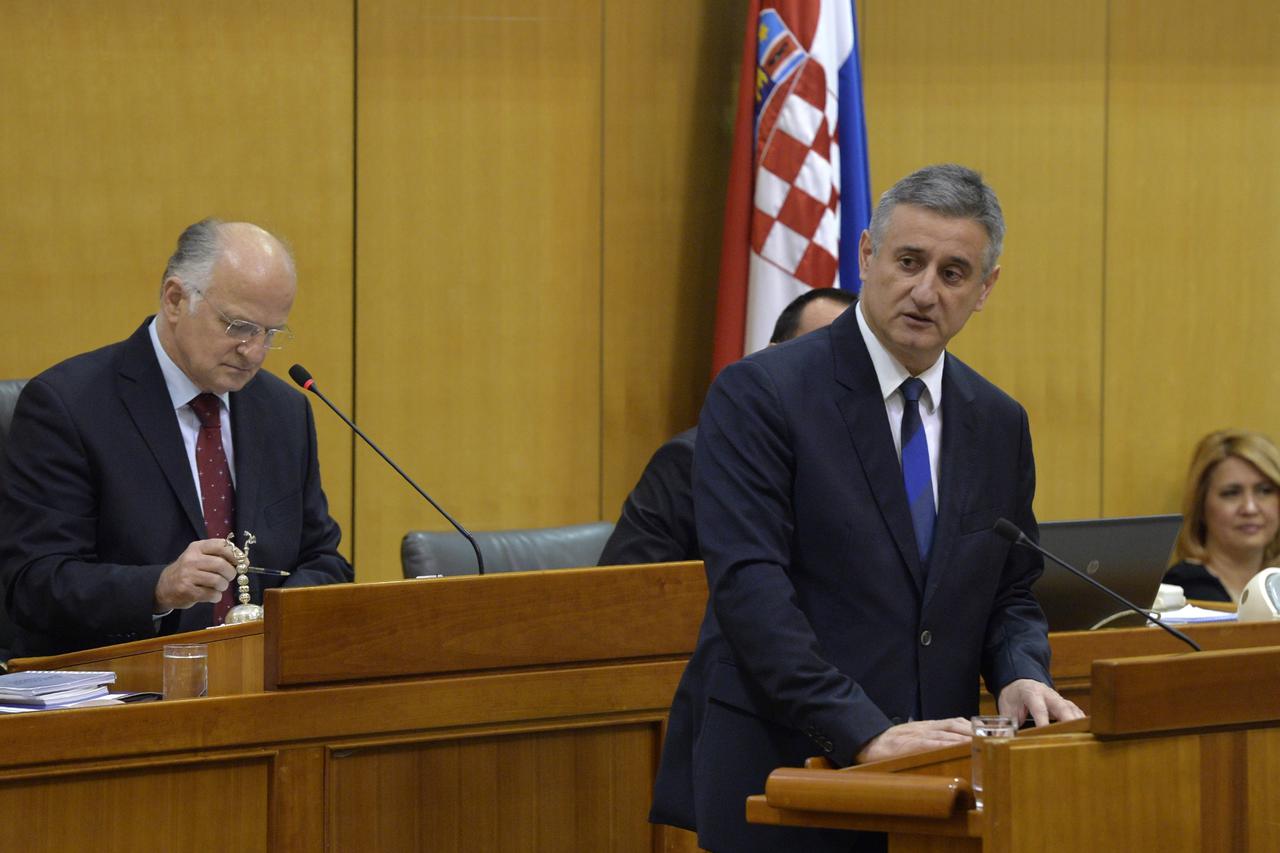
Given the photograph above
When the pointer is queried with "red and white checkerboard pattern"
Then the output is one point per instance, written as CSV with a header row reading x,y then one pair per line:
x,y
795,223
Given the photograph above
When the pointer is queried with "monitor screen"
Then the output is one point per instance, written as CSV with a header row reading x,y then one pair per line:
x,y
1129,555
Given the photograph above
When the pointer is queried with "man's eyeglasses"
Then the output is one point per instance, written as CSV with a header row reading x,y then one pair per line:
x,y
245,331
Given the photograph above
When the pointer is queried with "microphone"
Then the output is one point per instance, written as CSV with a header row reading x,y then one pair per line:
x,y
1008,530
302,376
1260,599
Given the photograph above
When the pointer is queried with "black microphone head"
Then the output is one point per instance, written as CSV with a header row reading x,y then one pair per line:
x,y
301,375
1007,529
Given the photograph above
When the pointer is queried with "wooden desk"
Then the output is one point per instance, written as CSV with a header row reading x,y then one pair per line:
x,y
1182,755
235,660
1075,651
511,712
553,759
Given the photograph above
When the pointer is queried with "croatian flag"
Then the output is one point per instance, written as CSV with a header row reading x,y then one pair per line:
x,y
799,191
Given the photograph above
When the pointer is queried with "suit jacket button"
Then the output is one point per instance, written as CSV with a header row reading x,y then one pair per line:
x,y
897,721
925,638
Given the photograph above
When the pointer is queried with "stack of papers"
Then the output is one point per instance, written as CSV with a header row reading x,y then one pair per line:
x,y
1189,613
40,689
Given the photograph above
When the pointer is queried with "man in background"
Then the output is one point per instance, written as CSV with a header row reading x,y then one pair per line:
x,y
130,466
656,525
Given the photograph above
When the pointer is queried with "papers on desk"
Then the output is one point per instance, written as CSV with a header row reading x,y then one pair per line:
x,y
96,698
41,682
41,689
1189,613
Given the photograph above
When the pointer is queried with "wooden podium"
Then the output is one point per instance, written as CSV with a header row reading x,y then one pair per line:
x,y
1182,753
510,712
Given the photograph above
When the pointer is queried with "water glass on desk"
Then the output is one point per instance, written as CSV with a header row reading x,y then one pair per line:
x,y
186,670
986,727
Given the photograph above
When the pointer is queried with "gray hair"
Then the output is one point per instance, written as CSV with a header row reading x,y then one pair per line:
x,y
192,261
950,190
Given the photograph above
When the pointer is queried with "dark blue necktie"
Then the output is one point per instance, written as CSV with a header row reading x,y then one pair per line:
x,y
915,467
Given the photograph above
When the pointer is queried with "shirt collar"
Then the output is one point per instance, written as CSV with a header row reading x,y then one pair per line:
x,y
181,389
891,374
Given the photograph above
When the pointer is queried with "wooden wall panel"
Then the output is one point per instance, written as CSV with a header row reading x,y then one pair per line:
x,y
220,805
585,789
1261,795
1193,238
539,204
1015,90
478,304
122,123
1112,786
670,83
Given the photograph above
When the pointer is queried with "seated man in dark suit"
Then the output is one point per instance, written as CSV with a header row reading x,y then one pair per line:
x,y
656,525
846,487
129,466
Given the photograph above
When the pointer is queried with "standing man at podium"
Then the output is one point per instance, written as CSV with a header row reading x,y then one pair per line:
x,y
130,465
845,489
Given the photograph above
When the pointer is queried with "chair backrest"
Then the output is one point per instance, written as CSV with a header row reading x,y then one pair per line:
x,y
9,391
573,546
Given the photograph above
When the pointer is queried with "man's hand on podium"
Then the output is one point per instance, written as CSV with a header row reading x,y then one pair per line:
x,y
906,738
1027,696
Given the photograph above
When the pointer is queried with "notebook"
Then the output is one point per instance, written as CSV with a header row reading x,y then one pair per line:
x,y
1129,555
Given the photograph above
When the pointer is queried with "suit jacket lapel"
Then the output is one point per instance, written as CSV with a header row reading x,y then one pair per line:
x,y
142,388
249,413
247,416
863,410
958,468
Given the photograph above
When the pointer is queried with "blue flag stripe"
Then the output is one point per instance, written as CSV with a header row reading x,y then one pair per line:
x,y
855,171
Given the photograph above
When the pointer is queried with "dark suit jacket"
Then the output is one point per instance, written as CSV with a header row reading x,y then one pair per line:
x,y
1196,582
822,627
100,497
656,525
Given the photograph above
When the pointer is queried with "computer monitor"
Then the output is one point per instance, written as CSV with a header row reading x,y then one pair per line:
x,y
1129,555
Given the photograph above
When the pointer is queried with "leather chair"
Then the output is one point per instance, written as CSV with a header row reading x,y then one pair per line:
x,y
9,391
448,553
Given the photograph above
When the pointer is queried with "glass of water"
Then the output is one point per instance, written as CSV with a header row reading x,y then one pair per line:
x,y
186,670
986,727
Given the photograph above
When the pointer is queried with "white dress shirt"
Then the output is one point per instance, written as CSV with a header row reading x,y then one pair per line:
x,y
891,374
181,391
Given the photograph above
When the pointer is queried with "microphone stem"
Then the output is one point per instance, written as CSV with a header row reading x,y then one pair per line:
x,y
479,557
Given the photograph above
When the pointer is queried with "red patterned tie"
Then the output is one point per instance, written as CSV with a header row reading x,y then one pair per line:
x,y
217,495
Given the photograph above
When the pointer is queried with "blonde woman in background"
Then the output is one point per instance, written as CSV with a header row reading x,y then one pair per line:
x,y
1230,516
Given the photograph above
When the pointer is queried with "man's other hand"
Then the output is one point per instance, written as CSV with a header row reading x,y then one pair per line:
x,y
202,572
919,736
1027,696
